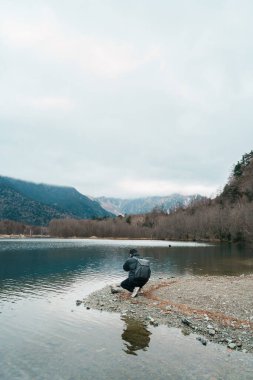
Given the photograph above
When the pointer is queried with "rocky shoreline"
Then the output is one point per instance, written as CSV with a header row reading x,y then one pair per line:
x,y
216,309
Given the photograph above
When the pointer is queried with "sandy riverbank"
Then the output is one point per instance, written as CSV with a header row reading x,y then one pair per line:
x,y
220,309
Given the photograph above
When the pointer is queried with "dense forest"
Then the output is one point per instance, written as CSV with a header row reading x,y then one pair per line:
x,y
37,204
228,217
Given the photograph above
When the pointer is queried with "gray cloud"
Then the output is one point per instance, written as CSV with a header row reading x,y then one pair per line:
x,y
125,98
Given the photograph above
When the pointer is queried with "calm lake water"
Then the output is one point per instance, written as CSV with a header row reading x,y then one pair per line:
x,y
44,335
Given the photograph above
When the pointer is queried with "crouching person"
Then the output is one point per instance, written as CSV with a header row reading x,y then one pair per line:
x,y
139,272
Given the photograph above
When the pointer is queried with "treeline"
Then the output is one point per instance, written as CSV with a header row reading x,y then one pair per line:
x,y
10,227
206,220
119,227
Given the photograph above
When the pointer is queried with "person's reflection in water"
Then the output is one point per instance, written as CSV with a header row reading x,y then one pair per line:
x,y
135,336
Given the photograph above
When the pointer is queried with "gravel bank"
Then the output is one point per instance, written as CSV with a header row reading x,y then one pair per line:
x,y
217,309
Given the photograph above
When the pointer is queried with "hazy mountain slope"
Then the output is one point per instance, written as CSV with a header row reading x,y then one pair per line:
x,y
145,205
38,203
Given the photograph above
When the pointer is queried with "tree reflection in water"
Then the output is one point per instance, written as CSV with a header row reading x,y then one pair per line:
x,y
135,336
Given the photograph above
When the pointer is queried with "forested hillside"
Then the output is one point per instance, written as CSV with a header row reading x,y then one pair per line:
x,y
37,204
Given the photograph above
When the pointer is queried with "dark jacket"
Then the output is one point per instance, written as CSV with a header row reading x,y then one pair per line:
x,y
130,266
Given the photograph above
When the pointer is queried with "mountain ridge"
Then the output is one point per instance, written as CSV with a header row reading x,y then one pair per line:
x,y
143,205
37,204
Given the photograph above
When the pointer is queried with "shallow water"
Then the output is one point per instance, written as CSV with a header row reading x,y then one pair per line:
x,y
44,335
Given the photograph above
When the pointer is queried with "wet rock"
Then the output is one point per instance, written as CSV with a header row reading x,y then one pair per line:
x,y
232,346
202,340
78,302
115,290
186,321
87,308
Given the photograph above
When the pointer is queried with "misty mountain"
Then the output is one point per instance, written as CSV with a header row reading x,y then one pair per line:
x,y
144,205
37,204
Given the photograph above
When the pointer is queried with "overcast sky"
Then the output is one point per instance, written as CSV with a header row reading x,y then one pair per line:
x,y
125,98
